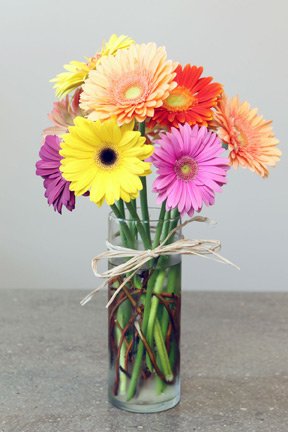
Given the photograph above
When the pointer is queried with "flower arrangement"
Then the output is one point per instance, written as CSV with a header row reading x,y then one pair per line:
x,y
122,112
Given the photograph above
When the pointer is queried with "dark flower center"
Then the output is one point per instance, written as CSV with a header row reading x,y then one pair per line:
x,y
108,156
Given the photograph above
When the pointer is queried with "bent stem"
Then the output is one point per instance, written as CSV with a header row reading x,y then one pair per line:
x,y
153,311
139,356
162,352
171,289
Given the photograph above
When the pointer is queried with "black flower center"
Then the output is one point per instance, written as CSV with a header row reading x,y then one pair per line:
x,y
108,156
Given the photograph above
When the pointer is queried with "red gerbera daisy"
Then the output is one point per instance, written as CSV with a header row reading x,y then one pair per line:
x,y
191,101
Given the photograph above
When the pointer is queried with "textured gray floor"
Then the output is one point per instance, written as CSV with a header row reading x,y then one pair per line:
x,y
53,365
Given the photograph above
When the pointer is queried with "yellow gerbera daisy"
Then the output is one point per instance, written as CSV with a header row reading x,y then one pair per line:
x,y
114,44
78,71
104,159
76,74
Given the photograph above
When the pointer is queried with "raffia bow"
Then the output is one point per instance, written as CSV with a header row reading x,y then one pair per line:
x,y
138,258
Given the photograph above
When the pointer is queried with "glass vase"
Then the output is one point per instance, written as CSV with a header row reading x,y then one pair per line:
x,y
144,322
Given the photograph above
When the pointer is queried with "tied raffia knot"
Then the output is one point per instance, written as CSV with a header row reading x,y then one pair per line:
x,y
152,253
138,258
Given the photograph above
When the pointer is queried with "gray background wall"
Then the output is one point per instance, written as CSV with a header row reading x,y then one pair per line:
x,y
243,44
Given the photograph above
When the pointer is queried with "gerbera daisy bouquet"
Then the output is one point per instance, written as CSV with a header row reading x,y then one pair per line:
x,y
122,113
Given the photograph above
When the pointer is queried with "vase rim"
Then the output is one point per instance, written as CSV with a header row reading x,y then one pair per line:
x,y
153,216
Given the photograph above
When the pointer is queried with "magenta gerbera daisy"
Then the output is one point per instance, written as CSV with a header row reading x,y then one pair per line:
x,y
189,167
56,187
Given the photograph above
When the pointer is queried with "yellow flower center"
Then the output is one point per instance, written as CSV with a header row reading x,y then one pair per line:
x,y
133,92
242,138
131,89
186,168
180,99
242,133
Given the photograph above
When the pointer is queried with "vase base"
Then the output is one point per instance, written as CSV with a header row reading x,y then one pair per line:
x,y
145,408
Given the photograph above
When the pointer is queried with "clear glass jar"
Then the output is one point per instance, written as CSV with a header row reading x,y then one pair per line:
x,y
144,322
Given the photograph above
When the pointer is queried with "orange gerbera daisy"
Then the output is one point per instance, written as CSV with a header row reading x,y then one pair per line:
x,y
249,137
191,101
129,85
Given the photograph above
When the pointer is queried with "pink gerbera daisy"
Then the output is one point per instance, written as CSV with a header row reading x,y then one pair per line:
x,y
189,167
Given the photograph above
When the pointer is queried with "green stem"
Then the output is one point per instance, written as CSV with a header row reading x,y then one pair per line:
x,y
159,226
166,225
132,224
121,208
151,328
140,350
170,222
175,216
153,311
122,377
143,194
141,229
125,233
144,207
171,288
161,349
142,128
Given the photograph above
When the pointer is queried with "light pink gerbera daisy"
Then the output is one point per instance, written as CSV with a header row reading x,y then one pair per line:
x,y
63,114
189,167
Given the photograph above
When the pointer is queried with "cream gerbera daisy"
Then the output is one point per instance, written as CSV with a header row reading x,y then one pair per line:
x,y
104,159
77,71
129,85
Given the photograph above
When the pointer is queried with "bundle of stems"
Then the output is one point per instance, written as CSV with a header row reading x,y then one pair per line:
x,y
144,331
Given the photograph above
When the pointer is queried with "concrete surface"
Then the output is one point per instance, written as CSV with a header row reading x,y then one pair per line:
x,y
53,365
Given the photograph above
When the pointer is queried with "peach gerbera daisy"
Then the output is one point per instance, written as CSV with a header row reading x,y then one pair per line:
x,y
249,137
129,85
